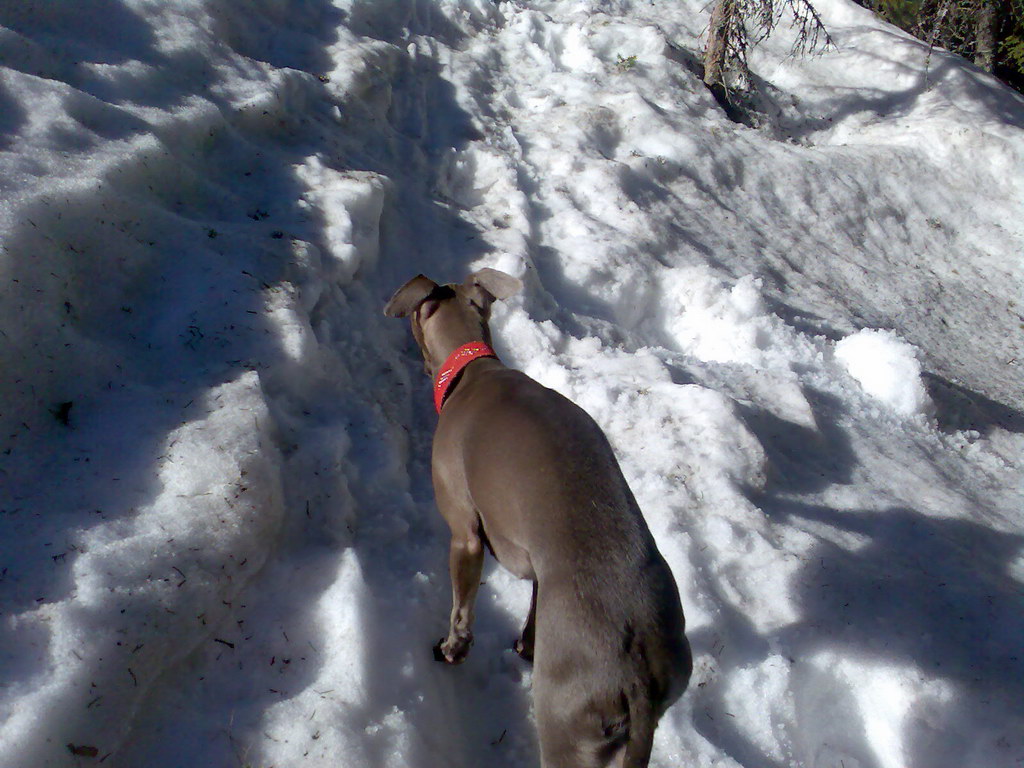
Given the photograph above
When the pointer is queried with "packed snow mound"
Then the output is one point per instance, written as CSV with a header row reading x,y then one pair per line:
x,y
191,552
887,368
218,543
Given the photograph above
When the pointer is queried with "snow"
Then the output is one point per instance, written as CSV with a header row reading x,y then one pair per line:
x,y
887,368
218,544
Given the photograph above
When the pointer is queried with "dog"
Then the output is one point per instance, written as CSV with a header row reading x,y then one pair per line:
x,y
524,471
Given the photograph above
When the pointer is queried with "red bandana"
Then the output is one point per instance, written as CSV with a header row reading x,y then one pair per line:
x,y
453,366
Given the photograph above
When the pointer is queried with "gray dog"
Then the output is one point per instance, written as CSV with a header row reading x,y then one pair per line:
x,y
522,469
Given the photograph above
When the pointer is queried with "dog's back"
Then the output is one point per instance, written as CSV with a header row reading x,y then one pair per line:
x,y
610,653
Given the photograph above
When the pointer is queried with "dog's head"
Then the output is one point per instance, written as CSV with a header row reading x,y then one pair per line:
x,y
444,317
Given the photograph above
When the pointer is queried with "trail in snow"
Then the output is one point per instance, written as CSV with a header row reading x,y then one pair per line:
x,y
229,554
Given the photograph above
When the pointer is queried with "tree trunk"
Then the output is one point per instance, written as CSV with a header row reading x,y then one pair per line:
x,y
716,52
985,35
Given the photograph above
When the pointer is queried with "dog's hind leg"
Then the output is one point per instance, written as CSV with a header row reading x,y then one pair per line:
x,y
524,645
580,731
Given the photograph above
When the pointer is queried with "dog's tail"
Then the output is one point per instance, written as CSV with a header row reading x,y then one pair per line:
x,y
647,702
642,721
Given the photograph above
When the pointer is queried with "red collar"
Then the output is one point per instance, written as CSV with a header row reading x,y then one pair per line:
x,y
453,366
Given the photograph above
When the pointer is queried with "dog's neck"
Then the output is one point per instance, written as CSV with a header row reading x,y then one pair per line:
x,y
450,372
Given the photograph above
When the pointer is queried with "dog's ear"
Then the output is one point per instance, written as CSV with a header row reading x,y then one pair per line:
x,y
410,296
495,283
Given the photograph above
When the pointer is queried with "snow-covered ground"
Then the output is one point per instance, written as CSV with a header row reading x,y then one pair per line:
x,y
218,545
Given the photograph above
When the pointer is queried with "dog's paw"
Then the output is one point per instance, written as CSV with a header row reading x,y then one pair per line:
x,y
438,653
524,652
453,651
